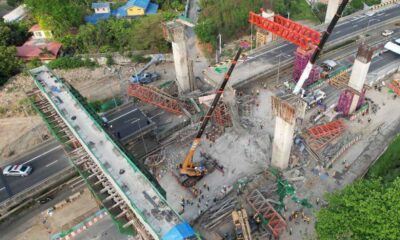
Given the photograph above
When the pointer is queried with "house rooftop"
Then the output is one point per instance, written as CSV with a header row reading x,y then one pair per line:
x,y
100,5
138,3
29,52
35,28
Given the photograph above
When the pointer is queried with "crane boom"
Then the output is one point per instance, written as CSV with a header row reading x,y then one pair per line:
x,y
325,36
187,168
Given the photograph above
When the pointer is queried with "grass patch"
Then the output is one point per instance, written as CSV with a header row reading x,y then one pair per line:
x,y
71,62
302,11
388,165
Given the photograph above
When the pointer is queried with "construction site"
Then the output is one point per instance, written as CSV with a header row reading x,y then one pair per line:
x,y
242,150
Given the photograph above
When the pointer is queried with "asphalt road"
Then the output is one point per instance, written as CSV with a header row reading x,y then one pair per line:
x,y
260,62
45,160
127,121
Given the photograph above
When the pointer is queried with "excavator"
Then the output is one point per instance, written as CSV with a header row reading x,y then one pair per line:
x,y
189,171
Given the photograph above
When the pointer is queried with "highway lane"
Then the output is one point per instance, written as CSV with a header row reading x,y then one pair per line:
x,y
260,62
46,160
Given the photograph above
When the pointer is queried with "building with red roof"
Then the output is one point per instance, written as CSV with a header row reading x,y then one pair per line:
x,y
39,46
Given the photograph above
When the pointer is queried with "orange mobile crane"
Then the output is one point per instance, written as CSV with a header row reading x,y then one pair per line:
x,y
190,172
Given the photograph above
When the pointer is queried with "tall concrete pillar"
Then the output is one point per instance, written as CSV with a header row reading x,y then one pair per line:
x,y
331,10
286,115
359,73
176,34
262,36
283,140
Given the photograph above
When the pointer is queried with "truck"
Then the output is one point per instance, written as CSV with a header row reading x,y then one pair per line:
x,y
313,98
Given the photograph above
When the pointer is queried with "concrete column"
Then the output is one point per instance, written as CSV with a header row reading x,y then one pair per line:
x,y
331,10
262,36
183,66
358,75
283,140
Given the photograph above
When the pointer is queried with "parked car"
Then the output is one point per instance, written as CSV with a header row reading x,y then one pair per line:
x,y
18,170
145,78
387,32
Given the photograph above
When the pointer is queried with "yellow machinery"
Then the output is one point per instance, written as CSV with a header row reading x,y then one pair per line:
x,y
242,226
190,172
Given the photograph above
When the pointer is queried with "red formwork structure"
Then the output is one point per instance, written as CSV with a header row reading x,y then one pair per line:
x,y
331,128
222,116
275,223
306,38
346,98
155,97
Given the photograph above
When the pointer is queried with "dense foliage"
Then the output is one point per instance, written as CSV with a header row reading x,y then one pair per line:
x,y
366,209
11,35
118,35
388,165
230,17
58,15
355,5
71,62
9,63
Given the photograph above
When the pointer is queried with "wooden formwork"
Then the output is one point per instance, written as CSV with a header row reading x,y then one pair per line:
x,y
283,110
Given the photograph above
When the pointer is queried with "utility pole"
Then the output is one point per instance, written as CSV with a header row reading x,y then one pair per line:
x,y
220,44
279,67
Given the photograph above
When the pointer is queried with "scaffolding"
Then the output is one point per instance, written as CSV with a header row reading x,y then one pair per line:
x,y
346,99
340,81
270,217
221,115
83,164
302,57
155,97
327,129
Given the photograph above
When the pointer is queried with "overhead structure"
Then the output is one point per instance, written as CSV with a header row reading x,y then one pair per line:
x,y
155,97
130,195
307,70
302,36
190,171
293,32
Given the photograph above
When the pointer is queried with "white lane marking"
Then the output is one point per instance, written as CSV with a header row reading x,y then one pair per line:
x,y
51,150
49,164
123,115
1,189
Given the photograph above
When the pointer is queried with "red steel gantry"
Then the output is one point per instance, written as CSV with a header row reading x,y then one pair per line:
x,y
156,97
304,37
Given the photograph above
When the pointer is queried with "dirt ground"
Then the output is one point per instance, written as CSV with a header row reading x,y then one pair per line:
x,y
44,225
19,135
95,84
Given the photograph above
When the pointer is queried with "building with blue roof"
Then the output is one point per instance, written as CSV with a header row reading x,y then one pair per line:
x,y
102,7
132,8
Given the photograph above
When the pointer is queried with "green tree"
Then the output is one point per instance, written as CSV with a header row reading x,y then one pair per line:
x,y
58,15
366,209
10,64
13,34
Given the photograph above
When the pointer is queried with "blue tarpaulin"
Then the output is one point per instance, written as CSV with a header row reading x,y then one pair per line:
x,y
180,232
